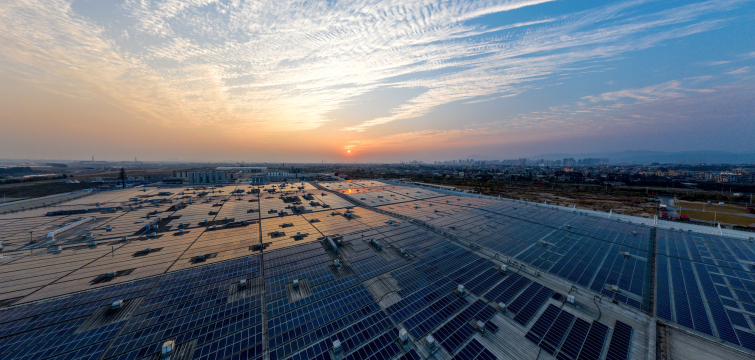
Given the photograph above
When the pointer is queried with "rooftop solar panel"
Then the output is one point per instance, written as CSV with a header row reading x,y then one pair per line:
x,y
618,349
702,281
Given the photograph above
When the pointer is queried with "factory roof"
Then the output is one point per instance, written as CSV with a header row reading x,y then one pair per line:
x,y
347,269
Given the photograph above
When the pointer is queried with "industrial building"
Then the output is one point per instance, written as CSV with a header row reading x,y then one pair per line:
x,y
365,270
207,177
243,169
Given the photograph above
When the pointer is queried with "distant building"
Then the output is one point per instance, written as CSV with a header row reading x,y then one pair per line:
x,y
207,177
727,177
174,181
243,169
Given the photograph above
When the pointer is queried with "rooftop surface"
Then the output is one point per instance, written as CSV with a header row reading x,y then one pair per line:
x,y
177,258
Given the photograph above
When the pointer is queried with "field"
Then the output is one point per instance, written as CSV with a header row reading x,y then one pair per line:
x,y
729,208
40,189
599,201
718,217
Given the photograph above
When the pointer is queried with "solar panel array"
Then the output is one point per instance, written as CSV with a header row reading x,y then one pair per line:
x,y
474,350
565,336
703,282
587,251
706,283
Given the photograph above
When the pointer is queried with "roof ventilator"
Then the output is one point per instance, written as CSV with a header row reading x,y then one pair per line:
x,y
480,326
377,244
337,346
430,342
403,336
502,307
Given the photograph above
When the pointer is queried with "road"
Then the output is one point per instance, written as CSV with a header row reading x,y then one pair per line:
x,y
669,202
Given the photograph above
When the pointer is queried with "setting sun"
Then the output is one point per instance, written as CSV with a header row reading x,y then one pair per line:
x,y
348,151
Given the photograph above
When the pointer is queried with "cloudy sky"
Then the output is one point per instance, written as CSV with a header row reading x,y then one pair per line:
x,y
386,80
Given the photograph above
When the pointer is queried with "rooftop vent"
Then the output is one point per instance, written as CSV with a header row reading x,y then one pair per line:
x,y
377,244
430,342
504,268
242,283
337,263
337,346
296,283
480,326
403,336
501,307
570,299
116,305
460,290
111,274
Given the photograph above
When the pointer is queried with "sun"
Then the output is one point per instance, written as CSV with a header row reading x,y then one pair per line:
x,y
348,151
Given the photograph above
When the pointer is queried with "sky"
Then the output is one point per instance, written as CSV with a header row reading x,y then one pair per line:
x,y
371,80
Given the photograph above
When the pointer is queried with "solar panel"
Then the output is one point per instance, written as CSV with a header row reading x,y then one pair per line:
x,y
618,348
382,348
552,340
702,282
592,348
474,350
411,355
532,307
542,324
573,343
484,281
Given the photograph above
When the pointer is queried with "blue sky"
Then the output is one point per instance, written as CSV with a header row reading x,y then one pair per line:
x,y
373,80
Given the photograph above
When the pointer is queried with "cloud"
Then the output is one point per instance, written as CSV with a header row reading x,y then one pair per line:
x,y
506,67
671,89
716,63
253,68
743,70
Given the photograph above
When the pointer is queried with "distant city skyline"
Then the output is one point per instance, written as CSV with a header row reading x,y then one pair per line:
x,y
373,81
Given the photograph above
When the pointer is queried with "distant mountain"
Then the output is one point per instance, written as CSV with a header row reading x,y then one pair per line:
x,y
645,156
